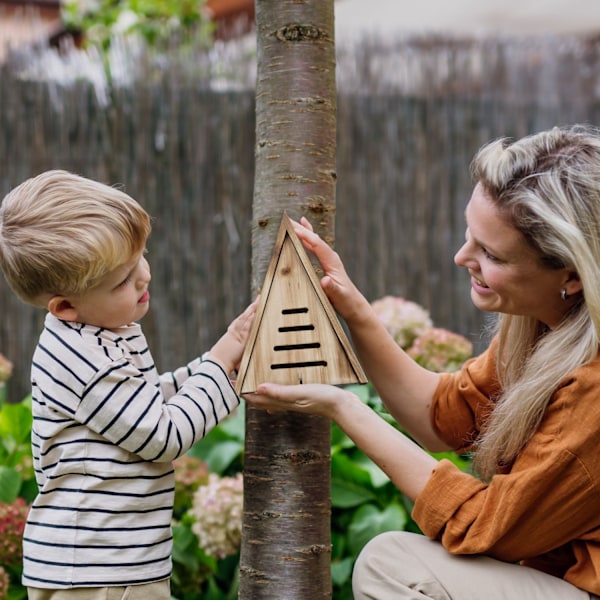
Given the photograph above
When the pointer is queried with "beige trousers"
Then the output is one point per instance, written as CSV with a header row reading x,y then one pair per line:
x,y
410,566
159,590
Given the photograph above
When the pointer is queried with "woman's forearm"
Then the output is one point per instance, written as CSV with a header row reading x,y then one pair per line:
x,y
406,464
405,387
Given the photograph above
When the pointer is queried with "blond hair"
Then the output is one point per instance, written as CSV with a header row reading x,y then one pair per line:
x,y
61,233
548,187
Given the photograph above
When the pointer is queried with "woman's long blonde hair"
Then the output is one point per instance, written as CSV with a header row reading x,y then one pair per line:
x,y
547,186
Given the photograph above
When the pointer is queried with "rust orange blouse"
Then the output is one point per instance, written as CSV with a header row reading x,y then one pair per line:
x,y
544,509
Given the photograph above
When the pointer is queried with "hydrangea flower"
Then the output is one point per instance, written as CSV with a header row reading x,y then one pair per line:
x,y
190,473
12,524
404,319
4,583
440,350
217,513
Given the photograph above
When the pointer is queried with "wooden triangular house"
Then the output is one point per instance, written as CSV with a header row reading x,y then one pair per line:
x,y
296,336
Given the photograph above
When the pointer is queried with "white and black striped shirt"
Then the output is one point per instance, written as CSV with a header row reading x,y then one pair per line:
x,y
106,427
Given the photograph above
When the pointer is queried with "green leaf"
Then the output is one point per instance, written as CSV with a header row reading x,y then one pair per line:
x,y
10,484
213,592
344,466
346,494
338,544
369,521
220,457
339,440
463,462
378,477
15,422
341,570
234,426
360,390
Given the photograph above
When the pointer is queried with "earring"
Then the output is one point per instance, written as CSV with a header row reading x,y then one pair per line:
x,y
563,294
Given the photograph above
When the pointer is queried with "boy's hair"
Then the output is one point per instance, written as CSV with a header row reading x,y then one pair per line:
x,y
61,233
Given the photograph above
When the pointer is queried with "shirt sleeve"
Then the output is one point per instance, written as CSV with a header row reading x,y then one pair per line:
x,y
548,497
121,405
171,381
464,399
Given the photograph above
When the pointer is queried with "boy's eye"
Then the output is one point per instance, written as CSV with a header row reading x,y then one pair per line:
x,y
125,281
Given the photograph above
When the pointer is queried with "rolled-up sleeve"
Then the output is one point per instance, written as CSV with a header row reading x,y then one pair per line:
x,y
542,509
464,399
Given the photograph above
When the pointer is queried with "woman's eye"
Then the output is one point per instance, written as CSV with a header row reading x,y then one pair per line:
x,y
488,255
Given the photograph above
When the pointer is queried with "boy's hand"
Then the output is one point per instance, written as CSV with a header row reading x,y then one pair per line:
x,y
228,350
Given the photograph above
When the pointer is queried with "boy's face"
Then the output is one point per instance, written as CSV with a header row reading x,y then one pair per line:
x,y
121,298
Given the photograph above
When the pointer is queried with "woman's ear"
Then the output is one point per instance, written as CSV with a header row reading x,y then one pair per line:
x,y
573,284
62,308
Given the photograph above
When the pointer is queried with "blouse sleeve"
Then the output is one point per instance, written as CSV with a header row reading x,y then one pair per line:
x,y
548,497
464,399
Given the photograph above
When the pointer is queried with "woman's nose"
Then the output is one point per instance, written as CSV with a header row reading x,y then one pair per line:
x,y
462,255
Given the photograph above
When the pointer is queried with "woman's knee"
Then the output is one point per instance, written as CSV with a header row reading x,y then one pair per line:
x,y
379,562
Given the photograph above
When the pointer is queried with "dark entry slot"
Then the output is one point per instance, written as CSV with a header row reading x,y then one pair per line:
x,y
294,311
298,346
315,363
296,328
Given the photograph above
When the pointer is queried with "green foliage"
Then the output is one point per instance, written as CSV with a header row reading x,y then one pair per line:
x,y
364,500
17,480
158,22
16,468
195,574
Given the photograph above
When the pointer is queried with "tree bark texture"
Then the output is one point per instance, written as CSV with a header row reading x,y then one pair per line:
x,y
286,542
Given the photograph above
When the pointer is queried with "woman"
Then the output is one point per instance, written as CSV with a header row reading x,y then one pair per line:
x,y
527,526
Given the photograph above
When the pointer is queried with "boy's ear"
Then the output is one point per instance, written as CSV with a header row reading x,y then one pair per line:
x,y
62,308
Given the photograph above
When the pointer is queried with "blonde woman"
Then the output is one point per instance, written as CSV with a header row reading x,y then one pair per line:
x,y
526,525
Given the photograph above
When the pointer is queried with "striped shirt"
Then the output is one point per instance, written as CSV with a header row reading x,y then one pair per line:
x,y
106,428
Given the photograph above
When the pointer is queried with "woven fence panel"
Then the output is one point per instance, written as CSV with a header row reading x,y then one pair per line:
x,y
186,154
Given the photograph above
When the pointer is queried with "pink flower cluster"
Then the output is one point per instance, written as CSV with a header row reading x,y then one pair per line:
x,y
404,319
12,524
4,583
190,472
440,350
217,513
411,327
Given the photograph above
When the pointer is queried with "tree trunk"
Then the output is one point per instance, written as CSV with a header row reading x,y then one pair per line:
x,y
286,542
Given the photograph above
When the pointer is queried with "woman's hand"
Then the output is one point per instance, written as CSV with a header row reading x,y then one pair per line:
x,y
312,398
336,283
408,466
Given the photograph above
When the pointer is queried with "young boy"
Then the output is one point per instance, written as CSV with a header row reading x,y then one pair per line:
x,y
106,426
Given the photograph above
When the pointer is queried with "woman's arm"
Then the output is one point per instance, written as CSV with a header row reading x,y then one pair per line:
x,y
404,386
407,465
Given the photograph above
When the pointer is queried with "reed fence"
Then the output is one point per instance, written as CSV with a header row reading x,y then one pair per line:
x,y
411,114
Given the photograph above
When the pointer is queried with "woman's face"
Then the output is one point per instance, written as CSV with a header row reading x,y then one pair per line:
x,y
506,273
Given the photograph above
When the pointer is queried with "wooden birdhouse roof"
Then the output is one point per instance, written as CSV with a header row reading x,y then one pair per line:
x,y
296,336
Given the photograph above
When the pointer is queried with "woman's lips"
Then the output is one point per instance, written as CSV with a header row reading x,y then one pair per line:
x,y
477,284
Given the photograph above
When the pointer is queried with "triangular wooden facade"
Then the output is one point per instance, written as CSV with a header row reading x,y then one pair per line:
x,y
296,336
